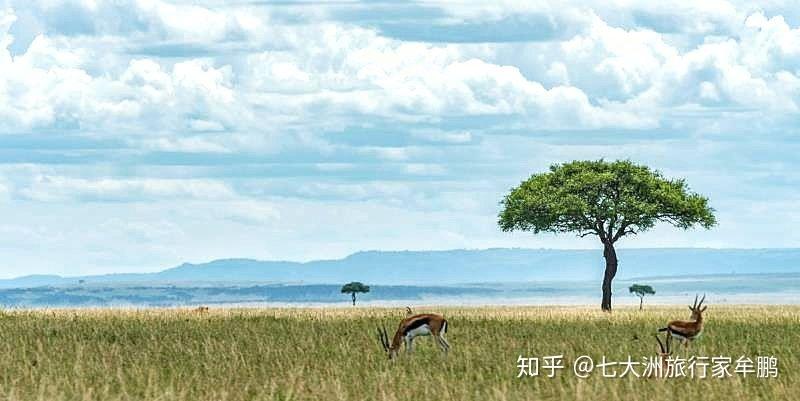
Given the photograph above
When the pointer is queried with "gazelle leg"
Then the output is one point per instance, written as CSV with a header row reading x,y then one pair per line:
x,y
409,345
442,344
444,340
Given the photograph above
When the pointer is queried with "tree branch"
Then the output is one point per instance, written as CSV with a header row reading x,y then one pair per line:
x,y
623,230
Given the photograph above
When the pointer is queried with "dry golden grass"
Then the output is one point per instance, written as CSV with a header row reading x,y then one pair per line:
x,y
332,354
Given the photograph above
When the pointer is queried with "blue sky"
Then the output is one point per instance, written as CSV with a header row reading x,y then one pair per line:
x,y
136,135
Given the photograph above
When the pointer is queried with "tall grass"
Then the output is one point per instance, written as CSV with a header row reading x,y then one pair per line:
x,y
333,354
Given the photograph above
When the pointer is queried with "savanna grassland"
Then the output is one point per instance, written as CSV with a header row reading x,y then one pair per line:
x,y
333,354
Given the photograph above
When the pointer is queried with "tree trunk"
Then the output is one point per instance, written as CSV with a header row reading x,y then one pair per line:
x,y
611,270
641,301
354,299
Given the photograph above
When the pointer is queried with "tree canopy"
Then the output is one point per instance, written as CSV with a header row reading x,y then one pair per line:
x,y
641,290
355,286
607,199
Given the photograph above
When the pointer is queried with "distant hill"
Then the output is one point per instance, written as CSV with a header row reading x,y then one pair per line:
x,y
453,267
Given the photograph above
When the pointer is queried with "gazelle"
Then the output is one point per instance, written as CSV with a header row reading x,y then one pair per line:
x,y
424,324
687,330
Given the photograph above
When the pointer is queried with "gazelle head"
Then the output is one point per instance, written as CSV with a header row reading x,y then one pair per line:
x,y
387,346
698,308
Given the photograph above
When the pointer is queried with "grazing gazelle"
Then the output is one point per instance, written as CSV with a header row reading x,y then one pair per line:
x,y
424,324
688,330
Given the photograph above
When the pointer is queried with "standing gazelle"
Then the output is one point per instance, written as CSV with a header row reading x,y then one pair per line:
x,y
424,324
688,330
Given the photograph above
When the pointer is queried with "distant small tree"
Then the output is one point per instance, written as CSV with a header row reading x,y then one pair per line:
x,y
353,288
640,291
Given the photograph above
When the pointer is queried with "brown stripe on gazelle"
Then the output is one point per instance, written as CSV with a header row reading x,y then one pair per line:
x,y
688,330
423,324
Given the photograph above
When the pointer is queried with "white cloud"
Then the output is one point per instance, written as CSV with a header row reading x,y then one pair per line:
x,y
152,232
60,188
433,135
250,212
607,77
243,119
333,71
685,16
771,44
192,144
643,73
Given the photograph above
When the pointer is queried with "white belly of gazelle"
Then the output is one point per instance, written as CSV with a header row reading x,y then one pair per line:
x,y
423,330
681,337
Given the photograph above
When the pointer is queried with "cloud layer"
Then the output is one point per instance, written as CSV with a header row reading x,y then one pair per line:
x,y
138,134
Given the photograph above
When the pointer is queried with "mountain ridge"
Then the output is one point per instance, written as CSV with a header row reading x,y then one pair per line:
x,y
457,266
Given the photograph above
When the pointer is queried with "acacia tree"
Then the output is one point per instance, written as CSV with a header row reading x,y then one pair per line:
x,y
353,288
609,200
640,291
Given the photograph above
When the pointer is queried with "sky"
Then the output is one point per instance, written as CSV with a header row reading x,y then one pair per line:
x,y
136,135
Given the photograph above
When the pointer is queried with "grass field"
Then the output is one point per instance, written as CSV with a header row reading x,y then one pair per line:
x,y
332,354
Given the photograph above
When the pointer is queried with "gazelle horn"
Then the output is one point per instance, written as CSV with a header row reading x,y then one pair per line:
x,y
661,345
701,301
382,338
385,339
694,305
